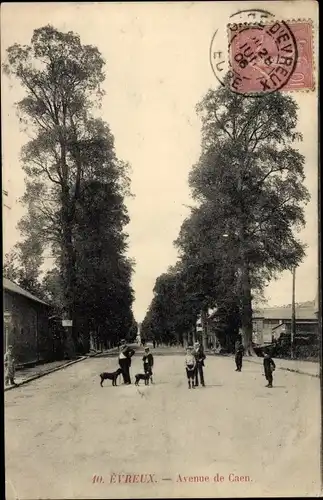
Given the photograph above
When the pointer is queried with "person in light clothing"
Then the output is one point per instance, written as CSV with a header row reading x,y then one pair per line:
x,y
190,364
9,367
125,356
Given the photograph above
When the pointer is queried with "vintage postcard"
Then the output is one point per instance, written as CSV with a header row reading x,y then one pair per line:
x,y
161,269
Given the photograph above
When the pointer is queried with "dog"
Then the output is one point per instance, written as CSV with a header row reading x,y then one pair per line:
x,y
143,376
150,373
110,376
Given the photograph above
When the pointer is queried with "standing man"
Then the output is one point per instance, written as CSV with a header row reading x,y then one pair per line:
x,y
199,356
239,352
125,356
9,367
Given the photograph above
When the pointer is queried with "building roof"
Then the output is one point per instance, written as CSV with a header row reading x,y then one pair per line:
x,y
12,287
286,313
301,322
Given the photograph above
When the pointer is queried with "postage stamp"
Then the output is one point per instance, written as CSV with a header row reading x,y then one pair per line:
x,y
268,57
303,75
260,54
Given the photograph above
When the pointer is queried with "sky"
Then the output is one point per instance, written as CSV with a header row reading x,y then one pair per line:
x,y
157,70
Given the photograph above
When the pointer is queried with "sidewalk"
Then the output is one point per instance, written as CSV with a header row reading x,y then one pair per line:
x,y
25,375
303,367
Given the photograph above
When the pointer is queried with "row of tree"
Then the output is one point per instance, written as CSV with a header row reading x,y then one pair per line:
x,y
241,232
75,190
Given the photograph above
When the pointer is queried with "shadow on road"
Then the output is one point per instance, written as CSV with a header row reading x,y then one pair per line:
x,y
208,386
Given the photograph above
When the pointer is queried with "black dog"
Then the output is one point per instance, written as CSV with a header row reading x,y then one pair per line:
x,y
143,376
110,376
150,373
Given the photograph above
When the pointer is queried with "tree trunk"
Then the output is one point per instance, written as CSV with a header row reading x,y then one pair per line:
x,y
193,335
69,277
246,310
204,321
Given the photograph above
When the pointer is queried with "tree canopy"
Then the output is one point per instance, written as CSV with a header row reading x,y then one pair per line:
x,y
249,194
76,185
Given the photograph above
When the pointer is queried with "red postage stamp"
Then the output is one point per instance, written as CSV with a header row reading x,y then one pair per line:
x,y
269,57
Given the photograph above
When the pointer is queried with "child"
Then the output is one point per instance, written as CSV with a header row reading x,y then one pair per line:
x,y
269,367
148,360
239,352
190,364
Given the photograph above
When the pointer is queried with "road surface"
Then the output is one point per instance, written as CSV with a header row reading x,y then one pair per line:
x,y
66,437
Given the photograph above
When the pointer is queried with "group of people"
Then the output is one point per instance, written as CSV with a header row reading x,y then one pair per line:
x,y
268,364
125,356
194,364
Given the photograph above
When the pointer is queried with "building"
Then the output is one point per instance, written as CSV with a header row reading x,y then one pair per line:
x,y
26,325
304,328
266,321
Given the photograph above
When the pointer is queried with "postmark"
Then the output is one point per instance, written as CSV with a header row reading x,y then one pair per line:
x,y
262,57
259,54
219,53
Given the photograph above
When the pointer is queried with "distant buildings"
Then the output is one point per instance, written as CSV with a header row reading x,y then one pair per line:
x,y
269,323
138,338
26,324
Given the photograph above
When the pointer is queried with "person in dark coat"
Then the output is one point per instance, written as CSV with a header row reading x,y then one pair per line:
x,y
269,368
125,356
148,360
239,352
199,355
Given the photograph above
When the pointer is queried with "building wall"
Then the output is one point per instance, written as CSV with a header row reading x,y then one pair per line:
x,y
26,328
257,330
269,324
262,329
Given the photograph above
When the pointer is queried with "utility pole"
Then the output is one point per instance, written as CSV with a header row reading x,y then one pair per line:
x,y
293,322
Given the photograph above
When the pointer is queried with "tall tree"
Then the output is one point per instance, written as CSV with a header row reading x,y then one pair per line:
x,y
62,81
103,273
249,179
